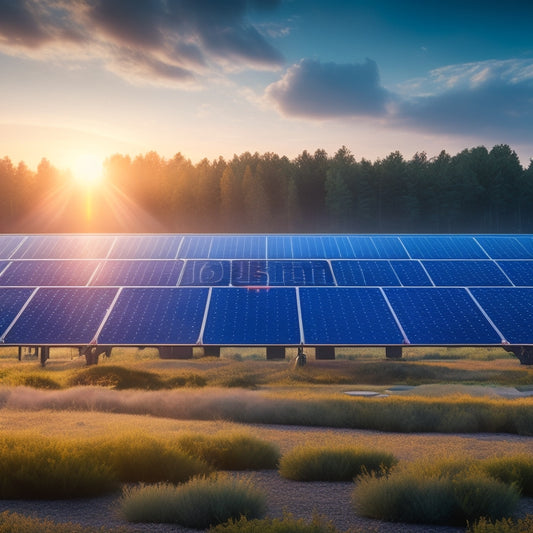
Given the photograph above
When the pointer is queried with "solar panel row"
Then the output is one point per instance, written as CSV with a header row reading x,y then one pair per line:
x,y
266,247
236,272
266,289
277,315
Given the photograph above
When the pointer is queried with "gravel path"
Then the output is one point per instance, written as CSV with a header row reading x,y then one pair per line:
x,y
303,499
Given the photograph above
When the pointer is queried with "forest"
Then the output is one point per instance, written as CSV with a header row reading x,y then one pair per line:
x,y
475,191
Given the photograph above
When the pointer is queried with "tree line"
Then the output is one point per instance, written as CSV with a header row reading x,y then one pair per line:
x,y
475,191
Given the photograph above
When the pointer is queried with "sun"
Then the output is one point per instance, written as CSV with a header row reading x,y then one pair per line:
x,y
87,169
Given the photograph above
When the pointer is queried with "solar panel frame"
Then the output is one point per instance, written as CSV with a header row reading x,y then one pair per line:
x,y
152,246
347,316
61,316
511,310
8,244
155,316
140,272
49,272
466,273
248,317
437,316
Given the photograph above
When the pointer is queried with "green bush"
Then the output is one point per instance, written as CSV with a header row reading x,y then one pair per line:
x,y
137,457
506,525
287,524
326,464
17,523
200,503
231,451
116,377
516,469
421,494
186,380
34,467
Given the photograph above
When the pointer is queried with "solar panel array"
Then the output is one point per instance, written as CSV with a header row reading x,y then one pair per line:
x,y
231,290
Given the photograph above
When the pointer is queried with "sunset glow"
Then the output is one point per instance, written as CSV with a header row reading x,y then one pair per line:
x,y
87,169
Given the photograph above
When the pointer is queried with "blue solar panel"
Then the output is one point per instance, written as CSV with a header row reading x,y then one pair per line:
x,y
52,273
503,247
207,272
527,242
11,302
145,247
347,316
466,273
307,247
389,248
519,272
195,247
511,310
8,244
249,273
239,316
363,247
64,247
442,247
60,316
364,273
337,247
279,247
143,316
299,273
440,316
238,246
410,273
159,273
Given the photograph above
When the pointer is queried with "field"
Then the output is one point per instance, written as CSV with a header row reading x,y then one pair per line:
x,y
449,403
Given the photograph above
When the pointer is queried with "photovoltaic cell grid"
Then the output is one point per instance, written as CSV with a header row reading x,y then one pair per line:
x,y
266,289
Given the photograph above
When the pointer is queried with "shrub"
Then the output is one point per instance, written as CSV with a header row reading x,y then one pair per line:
x,y
116,377
219,498
287,524
506,525
326,464
17,523
37,381
136,457
514,469
444,494
34,467
231,451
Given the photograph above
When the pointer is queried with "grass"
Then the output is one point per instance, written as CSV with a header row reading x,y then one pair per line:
x,y
517,469
448,492
36,467
219,498
231,451
17,523
308,463
506,525
287,524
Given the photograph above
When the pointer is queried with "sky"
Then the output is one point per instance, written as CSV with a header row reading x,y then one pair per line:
x,y
84,79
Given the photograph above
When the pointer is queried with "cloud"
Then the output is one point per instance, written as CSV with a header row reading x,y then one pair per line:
x,y
151,40
312,89
487,98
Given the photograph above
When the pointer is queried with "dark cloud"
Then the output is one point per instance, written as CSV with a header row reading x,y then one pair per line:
x,y
328,90
153,39
20,25
491,98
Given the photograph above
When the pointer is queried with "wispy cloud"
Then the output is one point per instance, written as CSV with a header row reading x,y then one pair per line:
x,y
312,89
151,40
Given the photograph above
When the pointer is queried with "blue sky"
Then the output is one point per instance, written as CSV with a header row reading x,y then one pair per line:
x,y
212,77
